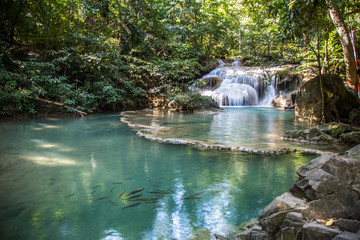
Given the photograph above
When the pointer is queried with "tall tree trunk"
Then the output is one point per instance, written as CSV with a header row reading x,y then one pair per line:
x,y
318,58
337,18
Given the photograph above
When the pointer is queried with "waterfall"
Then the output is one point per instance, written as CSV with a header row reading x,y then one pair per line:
x,y
241,86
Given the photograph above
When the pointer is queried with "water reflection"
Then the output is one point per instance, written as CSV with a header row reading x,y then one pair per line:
x,y
238,127
92,162
215,214
181,228
47,193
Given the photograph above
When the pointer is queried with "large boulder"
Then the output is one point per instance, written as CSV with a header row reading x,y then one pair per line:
x,y
338,101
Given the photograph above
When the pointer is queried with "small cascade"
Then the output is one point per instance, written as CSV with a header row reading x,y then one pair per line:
x,y
240,86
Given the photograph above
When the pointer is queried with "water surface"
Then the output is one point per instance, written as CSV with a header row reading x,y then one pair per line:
x,y
60,179
248,127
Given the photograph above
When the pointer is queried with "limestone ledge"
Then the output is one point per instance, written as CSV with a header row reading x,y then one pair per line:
x,y
147,134
199,144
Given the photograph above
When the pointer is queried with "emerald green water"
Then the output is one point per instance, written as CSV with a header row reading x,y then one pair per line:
x,y
54,173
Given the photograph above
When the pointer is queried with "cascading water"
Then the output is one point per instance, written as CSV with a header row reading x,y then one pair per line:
x,y
232,85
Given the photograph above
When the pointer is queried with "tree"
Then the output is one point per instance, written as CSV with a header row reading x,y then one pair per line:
x,y
349,57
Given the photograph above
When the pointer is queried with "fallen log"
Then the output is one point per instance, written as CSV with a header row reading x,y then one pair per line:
x,y
61,105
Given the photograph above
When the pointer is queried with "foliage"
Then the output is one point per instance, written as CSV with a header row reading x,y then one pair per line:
x,y
97,55
189,100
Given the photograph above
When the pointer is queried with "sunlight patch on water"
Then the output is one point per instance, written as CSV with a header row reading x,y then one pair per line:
x,y
48,126
45,145
52,159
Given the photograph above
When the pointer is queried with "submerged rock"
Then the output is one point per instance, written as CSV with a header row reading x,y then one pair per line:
x,y
323,204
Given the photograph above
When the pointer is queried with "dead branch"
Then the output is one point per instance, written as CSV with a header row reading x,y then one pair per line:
x,y
61,105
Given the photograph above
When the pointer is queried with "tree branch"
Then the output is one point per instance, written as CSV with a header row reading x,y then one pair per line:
x,y
61,105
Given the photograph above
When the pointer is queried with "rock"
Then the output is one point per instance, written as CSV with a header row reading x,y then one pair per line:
x,y
342,204
348,225
282,203
291,228
338,102
211,82
329,181
347,236
285,99
335,129
254,233
313,134
353,152
220,237
351,138
322,138
316,230
275,213
272,223
354,115
328,188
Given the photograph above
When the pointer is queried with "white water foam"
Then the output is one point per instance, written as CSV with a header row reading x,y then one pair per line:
x,y
242,86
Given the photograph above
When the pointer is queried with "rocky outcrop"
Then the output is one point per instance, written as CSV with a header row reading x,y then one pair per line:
x,y
323,204
326,133
351,138
338,101
212,82
285,99
354,115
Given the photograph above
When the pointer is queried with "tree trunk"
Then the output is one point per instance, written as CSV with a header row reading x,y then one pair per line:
x,y
318,58
337,18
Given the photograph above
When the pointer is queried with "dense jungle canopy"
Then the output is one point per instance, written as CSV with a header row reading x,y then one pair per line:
x,y
94,55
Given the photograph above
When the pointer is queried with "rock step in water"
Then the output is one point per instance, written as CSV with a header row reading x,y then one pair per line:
x,y
198,144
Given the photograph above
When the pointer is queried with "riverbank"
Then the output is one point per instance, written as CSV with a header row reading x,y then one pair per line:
x,y
323,204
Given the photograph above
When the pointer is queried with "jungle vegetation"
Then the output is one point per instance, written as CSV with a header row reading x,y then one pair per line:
x,y
97,55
